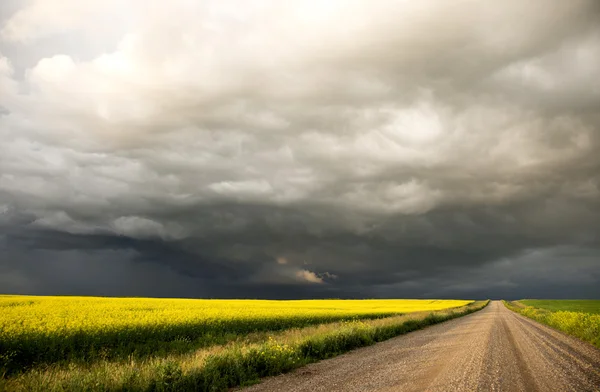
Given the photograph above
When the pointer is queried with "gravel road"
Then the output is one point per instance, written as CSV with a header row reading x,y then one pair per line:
x,y
490,350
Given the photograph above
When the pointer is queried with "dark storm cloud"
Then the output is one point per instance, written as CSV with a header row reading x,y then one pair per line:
x,y
346,149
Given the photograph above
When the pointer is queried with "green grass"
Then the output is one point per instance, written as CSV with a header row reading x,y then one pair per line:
x,y
584,325
218,368
569,305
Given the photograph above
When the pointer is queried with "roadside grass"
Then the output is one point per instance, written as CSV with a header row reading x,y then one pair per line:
x,y
237,363
582,325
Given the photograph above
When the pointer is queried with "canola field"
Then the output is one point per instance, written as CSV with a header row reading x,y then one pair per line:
x,y
44,330
579,318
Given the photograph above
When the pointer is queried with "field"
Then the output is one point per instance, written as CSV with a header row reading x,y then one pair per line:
x,y
570,305
73,343
579,318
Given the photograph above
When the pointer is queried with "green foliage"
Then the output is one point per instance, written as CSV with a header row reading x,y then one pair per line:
x,y
570,305
169,377
585,326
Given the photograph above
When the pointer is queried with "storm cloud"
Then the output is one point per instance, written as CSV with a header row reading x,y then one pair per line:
x,y
300,149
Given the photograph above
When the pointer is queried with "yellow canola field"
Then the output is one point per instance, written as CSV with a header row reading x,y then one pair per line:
x,y
41,330
51,315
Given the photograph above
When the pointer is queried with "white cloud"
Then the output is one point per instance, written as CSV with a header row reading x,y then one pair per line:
x,y
61,221
308,276
40,18
242,188
138,227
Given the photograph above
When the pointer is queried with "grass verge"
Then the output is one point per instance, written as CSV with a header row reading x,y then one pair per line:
x,y
585,326
235,364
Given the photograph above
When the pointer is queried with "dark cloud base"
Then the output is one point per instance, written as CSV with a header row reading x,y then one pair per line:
x,y
467,253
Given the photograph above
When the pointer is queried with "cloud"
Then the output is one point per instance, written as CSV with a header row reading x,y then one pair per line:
x,y
40,18
308,276
386,143
328,275
138,227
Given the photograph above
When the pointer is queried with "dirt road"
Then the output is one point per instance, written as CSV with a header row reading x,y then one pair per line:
x,y
491,350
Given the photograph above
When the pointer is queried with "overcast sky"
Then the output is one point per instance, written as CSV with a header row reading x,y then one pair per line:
x,y
298,149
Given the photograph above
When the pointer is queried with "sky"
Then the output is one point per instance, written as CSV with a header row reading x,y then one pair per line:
x,y
300,149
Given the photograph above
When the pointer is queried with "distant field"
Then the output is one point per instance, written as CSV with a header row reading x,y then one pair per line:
x,y
40,337
571,305
579,318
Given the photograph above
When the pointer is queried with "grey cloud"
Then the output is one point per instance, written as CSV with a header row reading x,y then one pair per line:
x,y
408,149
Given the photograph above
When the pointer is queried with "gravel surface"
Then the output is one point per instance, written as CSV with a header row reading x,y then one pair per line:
x,y
490,350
